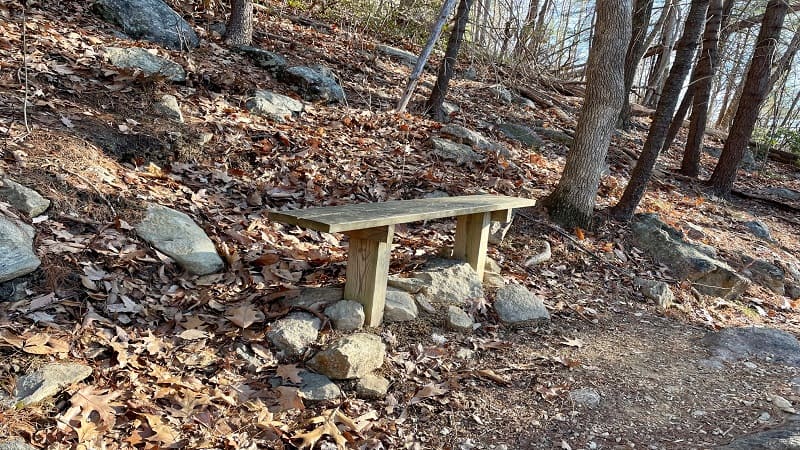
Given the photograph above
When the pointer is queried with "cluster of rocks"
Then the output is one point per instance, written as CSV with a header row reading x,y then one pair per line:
x,y
700,264
458,144
155,21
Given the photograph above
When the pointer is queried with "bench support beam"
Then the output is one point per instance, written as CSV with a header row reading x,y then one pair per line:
x,y
367,270
472,239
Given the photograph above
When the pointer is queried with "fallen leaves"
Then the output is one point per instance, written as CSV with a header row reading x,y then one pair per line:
x,y
34,343
244,315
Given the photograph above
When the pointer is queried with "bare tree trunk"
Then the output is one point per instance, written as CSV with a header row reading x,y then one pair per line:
x,y
413,78
642,11
755,90
448,64
703,76
661,66
239,30
785,63
528,28
686,47
572,202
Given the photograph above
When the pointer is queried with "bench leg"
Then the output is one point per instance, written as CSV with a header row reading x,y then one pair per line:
x,y
472,238
367,270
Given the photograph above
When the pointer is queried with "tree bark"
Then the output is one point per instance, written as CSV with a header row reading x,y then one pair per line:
x,y
755,91
686,47
239,30
703,74
413,78
659,71
640,21
572,202
448,64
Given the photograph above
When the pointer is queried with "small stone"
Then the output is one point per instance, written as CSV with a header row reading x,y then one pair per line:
x,y
424,304
352,356
491,266
407,58
317,388
316,83
711,363
372,387
450,282
346,315
516,305
176,235
16,249
458,320
750,365
313,297
657,291
168,107
493,280
410,285
783,404
587,397
450,108
521,134
698,413
48,381
24,199
764,417
400,306
293,333
265,59
469,74
465,136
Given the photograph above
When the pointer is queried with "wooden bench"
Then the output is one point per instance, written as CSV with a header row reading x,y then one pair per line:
x,y
370,227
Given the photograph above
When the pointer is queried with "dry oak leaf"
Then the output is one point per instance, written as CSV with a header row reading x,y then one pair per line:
x,y
244,315
290,372
328,427
429,390
289,398
37,344
91,401
162,432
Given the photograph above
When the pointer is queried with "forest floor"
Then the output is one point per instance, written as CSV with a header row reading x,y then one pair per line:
x,y
97,150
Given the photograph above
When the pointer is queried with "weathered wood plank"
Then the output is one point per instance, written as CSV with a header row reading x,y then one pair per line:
x,y
367,270
371,215
472,239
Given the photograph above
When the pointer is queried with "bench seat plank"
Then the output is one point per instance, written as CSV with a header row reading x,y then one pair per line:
x,y
333,219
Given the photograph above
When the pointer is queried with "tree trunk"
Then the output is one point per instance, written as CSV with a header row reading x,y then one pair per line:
x,y
528,29
703,76
677,121
686,47
448,64
661,66
643,9
755,90
572,202
239,30
413,78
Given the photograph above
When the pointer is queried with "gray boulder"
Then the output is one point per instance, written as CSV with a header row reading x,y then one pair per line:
x,y
407,58
554,135
586,397
176,235
346,315
450,282
265,59
522,134
372,387
784,437
502,93
400,306
732,344
23,198
463,135
450,108
151,20
667,246
275,106
293,333
168,107
785,194
48,381
764,273
16,444
16,249
759,229
459,153
516,305
314,83
349,357
148,63
458,320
